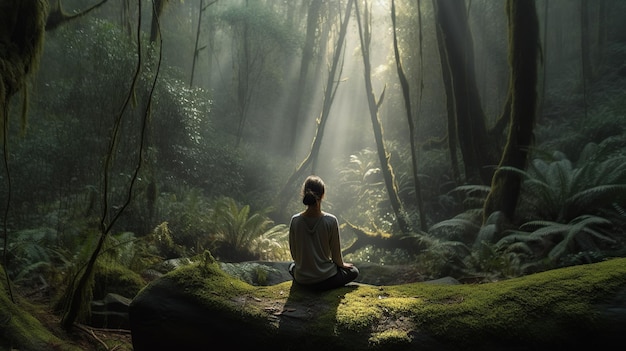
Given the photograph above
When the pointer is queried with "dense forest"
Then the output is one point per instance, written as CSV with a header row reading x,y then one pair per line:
x,y
481,139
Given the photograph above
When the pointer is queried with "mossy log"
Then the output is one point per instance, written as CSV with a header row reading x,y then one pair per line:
x,y
379,239
198,307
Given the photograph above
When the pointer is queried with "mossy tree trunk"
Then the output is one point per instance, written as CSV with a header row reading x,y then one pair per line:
x,y
22,29
523,60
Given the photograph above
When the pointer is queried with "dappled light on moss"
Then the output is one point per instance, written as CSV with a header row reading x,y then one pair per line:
x,y
390,336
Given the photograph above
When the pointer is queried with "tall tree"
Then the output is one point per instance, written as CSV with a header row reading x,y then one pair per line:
x,y
261,38
524,49
313,15
365,36
475,143
406,94
158,7
585,51
329,95
196,51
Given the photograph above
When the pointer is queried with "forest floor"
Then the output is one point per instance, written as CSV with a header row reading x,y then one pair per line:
x,y
82,337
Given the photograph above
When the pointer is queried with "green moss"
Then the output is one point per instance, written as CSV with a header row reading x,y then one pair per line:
x,y
390,337
205,283
555,305
112,277
553,302
550,307
360,309
19,329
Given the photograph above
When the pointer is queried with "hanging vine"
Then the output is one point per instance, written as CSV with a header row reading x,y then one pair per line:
x,y
79,292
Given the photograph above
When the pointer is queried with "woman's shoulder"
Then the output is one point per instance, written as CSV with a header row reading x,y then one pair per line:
x,y
329,216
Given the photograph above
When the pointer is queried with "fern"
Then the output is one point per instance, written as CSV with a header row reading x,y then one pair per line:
x,y
567,207
236,229
558,191
273,245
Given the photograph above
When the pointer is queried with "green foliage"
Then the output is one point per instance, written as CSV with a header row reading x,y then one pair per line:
x,y
560,191
112,276
443,257
463,227
450,241
265,25
361,195
32,254
568,208
21,329
138,253
242,235
584,233
273,244
570,131
381,256
492,264
188,215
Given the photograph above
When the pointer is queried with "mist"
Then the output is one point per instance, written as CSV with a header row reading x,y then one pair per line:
x,y
154,137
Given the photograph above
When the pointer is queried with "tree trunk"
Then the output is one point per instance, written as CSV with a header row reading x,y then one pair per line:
x,y
404,83
477,149
383,156
523,60
585,51
450,107
329,95
243,83
196,51
159,6
307,53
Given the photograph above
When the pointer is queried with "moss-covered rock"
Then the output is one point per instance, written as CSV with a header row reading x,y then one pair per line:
x,y
112,277
199,306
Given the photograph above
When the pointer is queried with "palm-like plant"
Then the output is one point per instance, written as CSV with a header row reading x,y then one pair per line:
x,y
237,231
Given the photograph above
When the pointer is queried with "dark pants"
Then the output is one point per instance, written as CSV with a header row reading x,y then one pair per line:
x,y
343,277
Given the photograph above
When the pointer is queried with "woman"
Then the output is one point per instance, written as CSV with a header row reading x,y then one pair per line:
x,y
315,245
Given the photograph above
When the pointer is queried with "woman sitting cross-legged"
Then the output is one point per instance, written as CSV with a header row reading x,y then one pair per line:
x,y
314,243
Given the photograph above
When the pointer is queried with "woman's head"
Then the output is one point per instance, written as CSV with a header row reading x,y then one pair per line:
x,y
312,190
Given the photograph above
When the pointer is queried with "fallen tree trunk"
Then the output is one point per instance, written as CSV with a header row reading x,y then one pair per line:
x,y
379,239
199,306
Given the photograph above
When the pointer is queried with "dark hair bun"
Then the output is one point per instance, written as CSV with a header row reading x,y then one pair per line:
x,y
312,190
309,199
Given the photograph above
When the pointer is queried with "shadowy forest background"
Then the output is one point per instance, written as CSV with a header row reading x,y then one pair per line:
x,y
480,139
